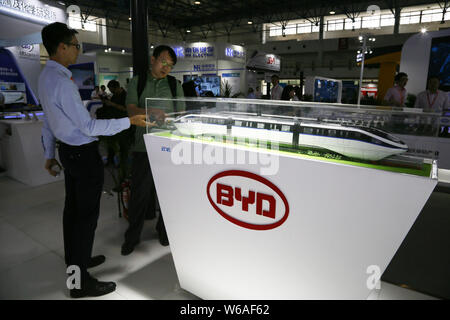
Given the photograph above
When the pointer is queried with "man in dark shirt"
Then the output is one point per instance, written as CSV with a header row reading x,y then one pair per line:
x,y
119,143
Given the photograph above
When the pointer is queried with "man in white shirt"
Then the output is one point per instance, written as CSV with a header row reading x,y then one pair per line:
x,y
68,121
396,96
95,95
277,90
432,99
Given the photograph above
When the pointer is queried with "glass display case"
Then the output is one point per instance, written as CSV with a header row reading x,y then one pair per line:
x,y
366,135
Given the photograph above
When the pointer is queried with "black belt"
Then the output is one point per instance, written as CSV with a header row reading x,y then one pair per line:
x,y
86,146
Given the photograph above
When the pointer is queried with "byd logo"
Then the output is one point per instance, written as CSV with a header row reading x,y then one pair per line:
x,y
270,60
247,200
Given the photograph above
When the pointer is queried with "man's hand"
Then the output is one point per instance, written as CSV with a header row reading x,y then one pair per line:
x,y
158,114
49,163
140,121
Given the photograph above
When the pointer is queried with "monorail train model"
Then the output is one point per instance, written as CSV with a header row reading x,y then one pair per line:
x,y
359,142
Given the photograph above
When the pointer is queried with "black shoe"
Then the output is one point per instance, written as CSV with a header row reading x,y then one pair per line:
x,y
127,248
93,288
96,261
163,240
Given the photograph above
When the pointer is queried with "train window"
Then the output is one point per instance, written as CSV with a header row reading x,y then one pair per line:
x,y
238,123
376,141
308,130
261,125
254,124
220,121
278,127
267,126
332,133
285,128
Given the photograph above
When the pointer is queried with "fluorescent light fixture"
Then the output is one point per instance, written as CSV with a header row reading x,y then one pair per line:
x,y
250,22
197,2
332,12
188,30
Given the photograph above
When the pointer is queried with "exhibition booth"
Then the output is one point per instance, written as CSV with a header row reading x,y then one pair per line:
x,y
20,128
283,200
213,66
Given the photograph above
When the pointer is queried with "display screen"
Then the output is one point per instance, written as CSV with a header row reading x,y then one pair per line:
x,y
13,92
84,77
207,85
440,61
326,90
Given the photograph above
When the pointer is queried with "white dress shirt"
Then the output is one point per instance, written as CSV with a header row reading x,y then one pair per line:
x,y
65,117
275,93
432,102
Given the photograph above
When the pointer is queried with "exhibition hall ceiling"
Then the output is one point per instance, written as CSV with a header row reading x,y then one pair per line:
x,y
196,20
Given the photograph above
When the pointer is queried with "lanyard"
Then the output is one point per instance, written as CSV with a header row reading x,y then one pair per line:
x,y
402,96
430,104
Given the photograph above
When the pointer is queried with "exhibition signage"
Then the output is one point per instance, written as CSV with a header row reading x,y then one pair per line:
x,y
247,200
264,61
32,10
208,50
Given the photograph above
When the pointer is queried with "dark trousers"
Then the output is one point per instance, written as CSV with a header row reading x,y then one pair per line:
x,y
83,173
143,199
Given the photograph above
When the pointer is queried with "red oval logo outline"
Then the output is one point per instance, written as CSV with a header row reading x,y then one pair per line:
x,y
258,178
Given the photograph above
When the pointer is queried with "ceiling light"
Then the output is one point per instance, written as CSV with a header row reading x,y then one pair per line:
x,y
129,18
123,51
332,12
188,30
109,49
197,2
423,30
61,3
106,50
249,22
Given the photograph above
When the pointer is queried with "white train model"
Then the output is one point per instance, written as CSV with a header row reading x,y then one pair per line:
x,y
358,142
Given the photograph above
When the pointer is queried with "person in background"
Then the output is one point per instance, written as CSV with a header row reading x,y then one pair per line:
x,y
67,120
143,198
251,94
95,95
289,94
103,93
258,93
120,142
277,90
432,99
396,96
189,89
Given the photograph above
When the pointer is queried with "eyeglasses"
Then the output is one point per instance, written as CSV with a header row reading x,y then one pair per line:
x,y
76,45
166,64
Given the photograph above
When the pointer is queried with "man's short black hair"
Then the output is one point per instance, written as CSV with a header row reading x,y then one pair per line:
x,y
160,49
399,76
275,77
55,33
113,84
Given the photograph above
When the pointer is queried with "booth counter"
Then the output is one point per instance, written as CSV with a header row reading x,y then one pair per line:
x,y
22,152
252,219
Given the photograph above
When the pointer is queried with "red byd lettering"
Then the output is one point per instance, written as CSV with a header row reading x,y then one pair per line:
x,y
225,197
229,196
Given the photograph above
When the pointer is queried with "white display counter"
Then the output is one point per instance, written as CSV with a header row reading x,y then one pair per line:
x,y
315,229
22,152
